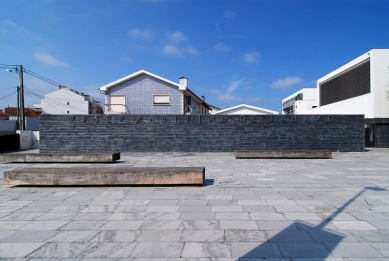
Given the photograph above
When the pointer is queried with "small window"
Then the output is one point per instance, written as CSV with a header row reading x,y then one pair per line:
x,y
161,99
68,112
67,103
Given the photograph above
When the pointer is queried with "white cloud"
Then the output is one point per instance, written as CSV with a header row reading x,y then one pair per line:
x,y
142,34
177,47
170,49
8,22
49,60
217,27
229,15
227,95
221,47
178,37
251,57
286,83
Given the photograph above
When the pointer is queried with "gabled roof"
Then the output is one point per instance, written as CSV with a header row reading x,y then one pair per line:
x,y
245,106
3,114
134,75
28,112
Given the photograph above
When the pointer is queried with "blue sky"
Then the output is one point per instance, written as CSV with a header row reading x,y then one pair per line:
x,y
255,52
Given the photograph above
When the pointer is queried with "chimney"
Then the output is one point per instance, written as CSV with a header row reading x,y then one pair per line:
x,y
183,81
203,98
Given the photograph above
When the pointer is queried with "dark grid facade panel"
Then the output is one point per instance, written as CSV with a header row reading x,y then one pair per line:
x,y
157,133
350,84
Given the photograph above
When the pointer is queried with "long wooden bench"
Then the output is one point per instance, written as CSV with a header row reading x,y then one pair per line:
x,y
283,154
107,175
60,157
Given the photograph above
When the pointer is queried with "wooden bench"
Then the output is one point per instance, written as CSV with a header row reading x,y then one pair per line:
x,y
283,154
60,157
106,175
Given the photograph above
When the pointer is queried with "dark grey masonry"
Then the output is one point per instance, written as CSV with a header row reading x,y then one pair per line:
x,y
194,133
382,135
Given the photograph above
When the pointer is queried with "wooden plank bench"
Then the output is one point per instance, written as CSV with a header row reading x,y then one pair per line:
x,y
60,157
283,154
107,175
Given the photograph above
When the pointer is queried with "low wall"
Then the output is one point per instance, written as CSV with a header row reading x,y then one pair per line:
x,y
382,135
196,133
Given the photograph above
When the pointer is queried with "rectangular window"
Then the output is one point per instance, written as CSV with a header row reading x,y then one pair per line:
x,y
67,103
161,99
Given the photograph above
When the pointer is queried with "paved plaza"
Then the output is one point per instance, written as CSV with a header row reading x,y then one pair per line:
x,y
259,209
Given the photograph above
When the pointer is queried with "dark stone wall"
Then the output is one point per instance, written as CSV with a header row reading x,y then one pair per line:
x,y
382,135
218,133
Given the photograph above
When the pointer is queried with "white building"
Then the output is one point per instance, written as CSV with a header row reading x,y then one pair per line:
x,y
68,101
244,109
300,101
359,87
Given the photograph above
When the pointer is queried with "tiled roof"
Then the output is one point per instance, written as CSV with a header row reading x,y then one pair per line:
x,y
28,112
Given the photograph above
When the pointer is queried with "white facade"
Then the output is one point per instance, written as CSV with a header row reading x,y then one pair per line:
x,y
374,104
300,101
244,109
67,101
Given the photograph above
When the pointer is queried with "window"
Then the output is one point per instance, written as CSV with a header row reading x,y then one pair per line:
x,y
161,99
67,103
68,112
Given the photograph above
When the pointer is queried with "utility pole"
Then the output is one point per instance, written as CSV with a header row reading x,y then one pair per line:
x,y
22,125
18,108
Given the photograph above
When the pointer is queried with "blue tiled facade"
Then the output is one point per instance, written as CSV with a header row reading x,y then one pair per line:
x,y
139,93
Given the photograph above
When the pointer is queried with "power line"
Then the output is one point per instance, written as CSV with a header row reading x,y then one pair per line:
x,y
7,95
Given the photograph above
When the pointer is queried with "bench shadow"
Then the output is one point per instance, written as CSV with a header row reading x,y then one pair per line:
x,y
299,240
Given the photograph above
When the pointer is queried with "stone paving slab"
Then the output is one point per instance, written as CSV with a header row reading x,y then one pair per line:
x,y
247,210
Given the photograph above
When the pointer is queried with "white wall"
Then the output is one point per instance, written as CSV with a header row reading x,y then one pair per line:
x,y
56,103
35,140
25,139
379,63
374,104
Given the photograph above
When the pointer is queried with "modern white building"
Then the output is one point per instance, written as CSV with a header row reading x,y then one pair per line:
x,y
359,87
244,109
300,101
68,101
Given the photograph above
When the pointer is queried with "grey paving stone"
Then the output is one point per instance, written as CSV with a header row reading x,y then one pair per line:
x,y
109,249
303,249
211,249
200,224
44,225
29,236
165,202
326,235
193,202
383,248
55,216
159,235
238,224
152,215
302,216
13,225
266,216
353,225
72,236
92,216
237,235
276,225
195,209
13,250
289,236
197,216
232,216
83,225
122,225
115,236
160,224
254,250
371,236
202,236
163,209
158,249
60,250
22,216
380,224
352,249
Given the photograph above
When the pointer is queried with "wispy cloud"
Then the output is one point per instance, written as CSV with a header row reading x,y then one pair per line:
x,y
141,34
229,15
221,47
177,46
8,22
286,83
178,37
217,27
251,57
226,95
49,60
